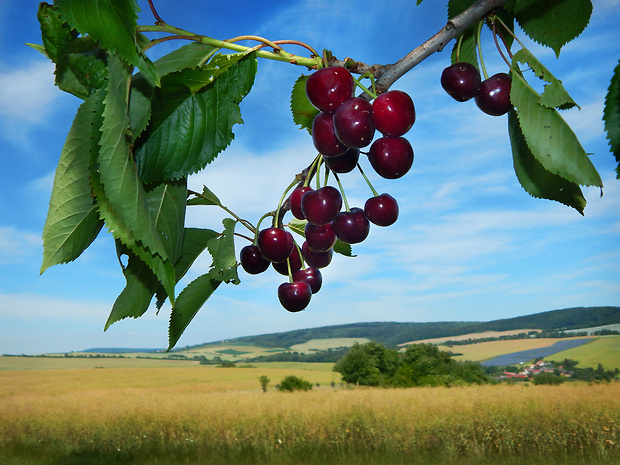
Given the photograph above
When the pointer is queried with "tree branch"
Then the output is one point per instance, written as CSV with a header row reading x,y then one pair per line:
x,y
386,75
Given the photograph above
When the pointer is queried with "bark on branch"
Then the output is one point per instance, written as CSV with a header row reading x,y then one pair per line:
x,y
386,75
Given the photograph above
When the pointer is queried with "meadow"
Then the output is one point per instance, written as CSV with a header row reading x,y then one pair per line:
x,y
209,415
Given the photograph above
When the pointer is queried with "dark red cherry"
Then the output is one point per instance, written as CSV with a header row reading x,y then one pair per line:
x,y
352,226
382,210
320,238
393,113
310,275
344,163
353,123
295,296
321,206
275,244
294,258
324,137
391,157
461,81
295,201
493,97
328,88
252,260
316,259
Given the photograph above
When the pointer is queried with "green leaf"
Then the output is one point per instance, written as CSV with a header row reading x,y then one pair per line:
x,y
535,179
72,220
222,249
343,248
187,305
467,51
142,89
303,111
553,23
188,130
110,22
207,197
554,94
456,7
298,226
80,64
141,284
551,140
611,116
121,197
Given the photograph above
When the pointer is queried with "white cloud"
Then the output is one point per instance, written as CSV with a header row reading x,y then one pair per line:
x,y
18,246
27,93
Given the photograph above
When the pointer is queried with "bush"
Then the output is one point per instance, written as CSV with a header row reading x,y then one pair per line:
x,y
293,383
547,378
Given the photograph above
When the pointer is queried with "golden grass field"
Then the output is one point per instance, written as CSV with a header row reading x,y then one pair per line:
x,y
209,415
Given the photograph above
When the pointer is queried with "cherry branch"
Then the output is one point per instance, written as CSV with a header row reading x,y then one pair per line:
x,y
386,75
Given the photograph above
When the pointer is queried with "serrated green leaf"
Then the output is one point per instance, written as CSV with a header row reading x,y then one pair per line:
x,y
80,63
188,130
206,197
303,111
553,23
343,248
136,296
120,193
110,22
611,116
166,202
554,94
222,250
72,220
38,47
187,305
534,178
298,226
552,142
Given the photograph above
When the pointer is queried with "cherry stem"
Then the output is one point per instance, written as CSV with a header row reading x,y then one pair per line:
x,y
479,44
374,192
499,49
245,237
259,222
344,197
458,48
276,218
155,14
372,94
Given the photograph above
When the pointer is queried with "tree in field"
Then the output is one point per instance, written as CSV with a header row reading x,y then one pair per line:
x,y
372,364
144,127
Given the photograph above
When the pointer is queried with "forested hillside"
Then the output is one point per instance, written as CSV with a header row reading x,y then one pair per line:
x,y
393,333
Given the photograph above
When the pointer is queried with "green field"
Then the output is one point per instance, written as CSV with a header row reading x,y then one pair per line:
x,y
314,345
208,415
605,350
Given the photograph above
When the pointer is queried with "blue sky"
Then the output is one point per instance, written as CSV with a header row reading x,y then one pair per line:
x,y
470,243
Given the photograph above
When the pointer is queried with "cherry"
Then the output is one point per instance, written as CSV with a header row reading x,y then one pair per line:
x,y
275,244
294,258
344,163
295,201
327,88
391,157
295,296
461,81
316,259
493,97
320,238
321,206
352,226
311,276
353,123
394,113
382,210
252,260
324,137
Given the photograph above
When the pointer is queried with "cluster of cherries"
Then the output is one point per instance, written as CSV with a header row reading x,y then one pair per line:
x,y
344,125
462,82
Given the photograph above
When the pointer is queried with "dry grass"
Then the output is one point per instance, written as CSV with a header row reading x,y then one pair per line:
x,y
208,415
